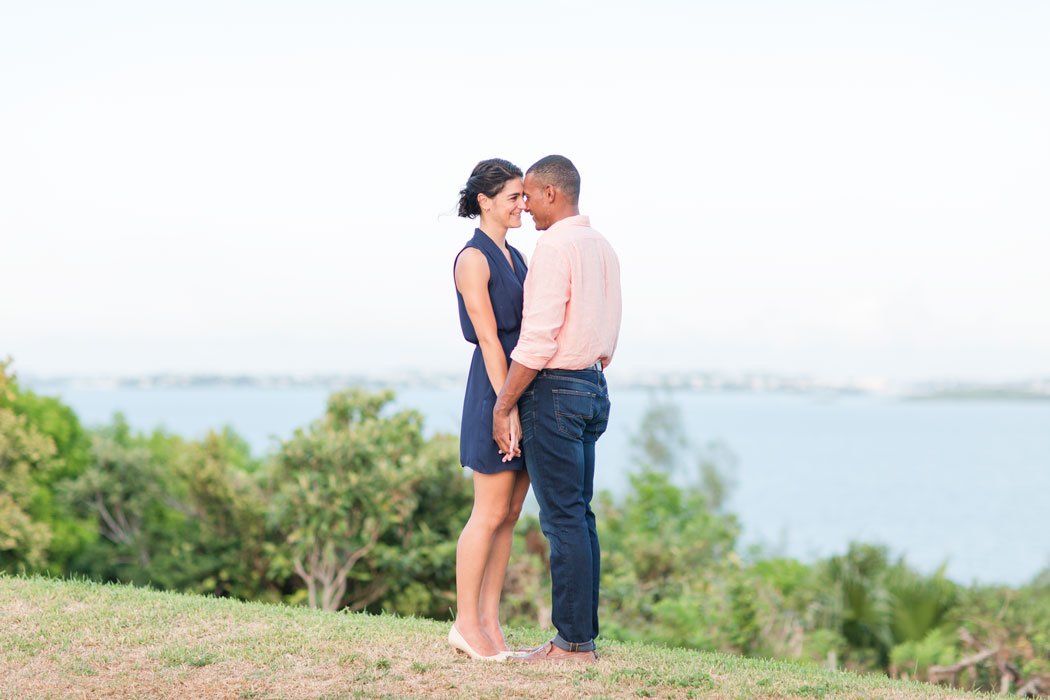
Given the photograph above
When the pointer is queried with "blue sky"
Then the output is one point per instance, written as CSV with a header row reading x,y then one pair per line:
x,y
839,189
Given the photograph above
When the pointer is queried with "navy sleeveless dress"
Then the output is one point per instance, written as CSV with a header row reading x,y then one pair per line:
x,y
477,449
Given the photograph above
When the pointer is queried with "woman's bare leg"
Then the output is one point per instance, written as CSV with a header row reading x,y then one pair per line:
x,y
496,566
492,496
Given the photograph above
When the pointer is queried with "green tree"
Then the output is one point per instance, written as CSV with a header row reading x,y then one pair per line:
x,y
125,489
23,451
41,419
876,604
340,486
660,441
417,562
670,572
222,544
661,444
27,457
920,604
856,603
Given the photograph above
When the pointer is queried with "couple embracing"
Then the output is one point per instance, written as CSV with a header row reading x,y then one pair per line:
x,y
536,399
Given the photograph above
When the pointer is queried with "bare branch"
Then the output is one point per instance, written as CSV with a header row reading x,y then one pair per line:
x,y
112,531
936,673
364,549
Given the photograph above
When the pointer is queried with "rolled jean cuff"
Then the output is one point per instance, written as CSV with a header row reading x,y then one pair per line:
x,y
560,642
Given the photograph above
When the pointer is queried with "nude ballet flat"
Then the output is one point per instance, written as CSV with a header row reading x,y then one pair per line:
x,y
457,641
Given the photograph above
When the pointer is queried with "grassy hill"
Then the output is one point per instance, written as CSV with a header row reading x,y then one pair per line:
x,y
62,639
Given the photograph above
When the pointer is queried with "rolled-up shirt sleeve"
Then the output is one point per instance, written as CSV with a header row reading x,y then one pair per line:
x,y
546,296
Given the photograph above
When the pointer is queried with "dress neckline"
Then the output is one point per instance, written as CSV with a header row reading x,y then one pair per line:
x,y
479,233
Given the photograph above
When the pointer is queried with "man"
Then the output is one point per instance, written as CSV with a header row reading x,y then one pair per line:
x,y
568,335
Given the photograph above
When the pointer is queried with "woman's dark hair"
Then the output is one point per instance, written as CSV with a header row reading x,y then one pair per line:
x,y
488,178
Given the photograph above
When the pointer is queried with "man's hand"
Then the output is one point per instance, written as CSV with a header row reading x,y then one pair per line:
x,y
506,428
506,431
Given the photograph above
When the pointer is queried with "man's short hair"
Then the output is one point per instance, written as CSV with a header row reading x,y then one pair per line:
x,y
560,172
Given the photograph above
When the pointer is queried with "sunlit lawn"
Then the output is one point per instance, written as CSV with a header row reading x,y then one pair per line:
x,y
65,639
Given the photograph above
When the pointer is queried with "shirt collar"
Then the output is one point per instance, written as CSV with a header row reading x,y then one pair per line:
x,y
578,220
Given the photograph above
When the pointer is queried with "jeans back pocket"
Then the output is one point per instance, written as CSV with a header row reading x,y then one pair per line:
x,y
574,409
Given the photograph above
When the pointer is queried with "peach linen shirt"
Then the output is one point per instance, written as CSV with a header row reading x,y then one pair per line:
x,y
572,299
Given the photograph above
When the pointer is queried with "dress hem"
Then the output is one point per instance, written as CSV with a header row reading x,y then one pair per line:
x,y
502,468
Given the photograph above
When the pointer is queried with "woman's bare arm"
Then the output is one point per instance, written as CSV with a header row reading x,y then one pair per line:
x,y
472,279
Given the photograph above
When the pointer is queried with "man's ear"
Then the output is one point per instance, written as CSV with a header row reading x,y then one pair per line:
x,y
549,193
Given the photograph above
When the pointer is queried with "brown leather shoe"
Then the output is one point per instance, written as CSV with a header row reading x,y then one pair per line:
x,y
551,653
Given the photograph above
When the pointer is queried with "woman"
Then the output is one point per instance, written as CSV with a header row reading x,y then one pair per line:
x,y
489,276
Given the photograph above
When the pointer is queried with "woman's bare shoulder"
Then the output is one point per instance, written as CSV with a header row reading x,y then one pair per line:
x,y
471,263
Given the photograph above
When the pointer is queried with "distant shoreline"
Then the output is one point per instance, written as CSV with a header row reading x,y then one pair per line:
x,y
699,382
980,395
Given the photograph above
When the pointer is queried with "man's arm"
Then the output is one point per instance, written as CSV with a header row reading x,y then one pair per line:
x,y
546,295
547,289
518,379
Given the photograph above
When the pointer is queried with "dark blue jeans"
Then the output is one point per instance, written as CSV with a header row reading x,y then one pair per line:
x,y
563,413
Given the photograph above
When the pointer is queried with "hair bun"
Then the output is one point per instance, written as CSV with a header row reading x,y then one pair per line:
x,y
468,202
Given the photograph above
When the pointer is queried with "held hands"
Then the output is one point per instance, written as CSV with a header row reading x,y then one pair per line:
x,y
506,426
506,431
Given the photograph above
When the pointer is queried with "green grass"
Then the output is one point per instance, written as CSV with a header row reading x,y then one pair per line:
x,y
65,639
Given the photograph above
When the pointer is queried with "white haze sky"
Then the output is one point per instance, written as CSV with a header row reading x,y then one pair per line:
x,y
844,189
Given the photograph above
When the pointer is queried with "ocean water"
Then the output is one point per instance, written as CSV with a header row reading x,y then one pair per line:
x,y
958,483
